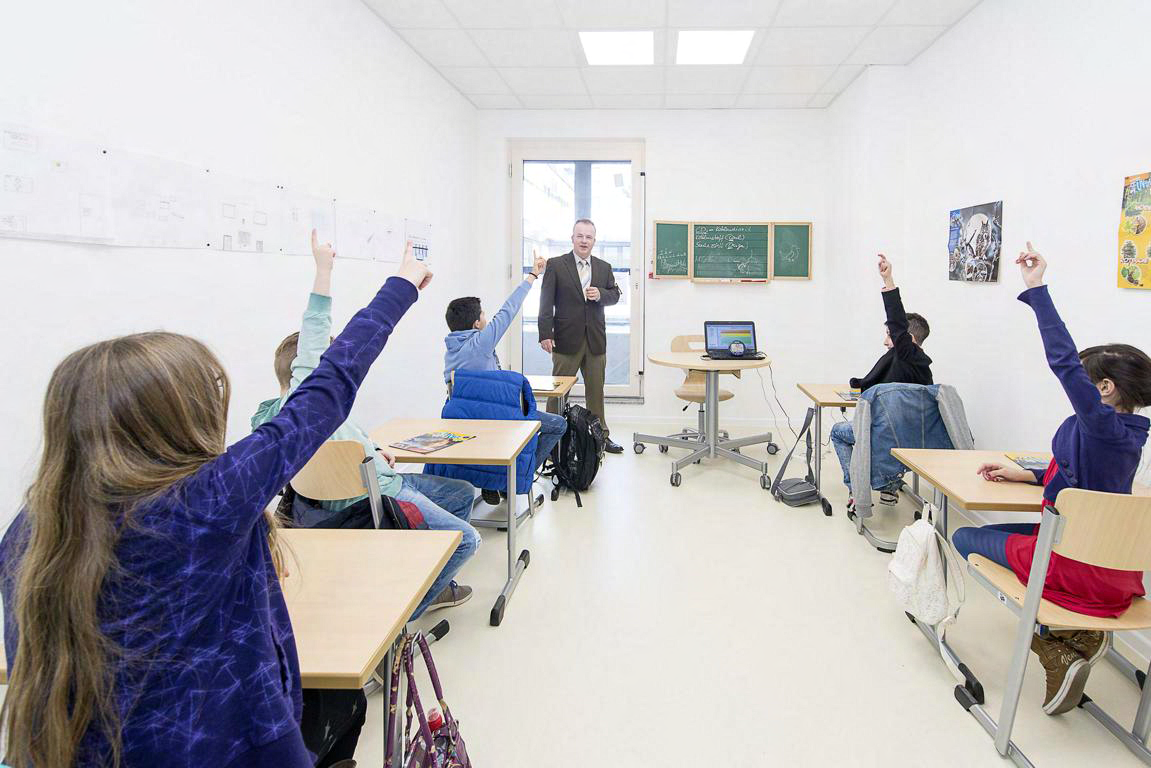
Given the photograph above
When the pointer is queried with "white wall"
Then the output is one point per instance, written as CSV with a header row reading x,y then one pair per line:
x,y
318,93
718,165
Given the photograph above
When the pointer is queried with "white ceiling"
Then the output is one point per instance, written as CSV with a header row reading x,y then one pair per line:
x,y
526,54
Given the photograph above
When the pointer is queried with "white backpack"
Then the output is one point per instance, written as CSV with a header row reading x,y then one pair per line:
x,y
916,574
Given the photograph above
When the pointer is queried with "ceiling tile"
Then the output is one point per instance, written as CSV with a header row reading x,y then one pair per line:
x,y
821,100
720,14
928,12
773,101
529,48
536,80
788,79
475,80
487,101
831,13
705,79
700,100
613,14
894,45
552,101
445,47
505,14
617,80
627,101
843,77
413,14
803,46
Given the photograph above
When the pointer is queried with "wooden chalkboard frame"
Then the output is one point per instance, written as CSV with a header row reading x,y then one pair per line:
x,y
770,251
655,273
810,248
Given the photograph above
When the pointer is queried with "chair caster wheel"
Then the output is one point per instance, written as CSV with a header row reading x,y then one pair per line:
x,y
663,449
772,449
676,480
639,447
697,461
555,493
764,482
826,507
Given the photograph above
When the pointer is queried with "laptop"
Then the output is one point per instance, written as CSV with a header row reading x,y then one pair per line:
x,y
730,340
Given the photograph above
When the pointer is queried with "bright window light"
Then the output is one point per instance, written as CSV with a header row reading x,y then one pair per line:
x,y
604,48
708,47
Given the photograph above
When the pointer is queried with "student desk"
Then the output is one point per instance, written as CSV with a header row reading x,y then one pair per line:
x,y
552,386
712,445
824,396
495,443
952,474
349,594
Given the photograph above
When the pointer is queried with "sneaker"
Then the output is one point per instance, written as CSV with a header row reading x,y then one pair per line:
x,y
851,506
1092,646
490,497
890,498
1067,672
450,596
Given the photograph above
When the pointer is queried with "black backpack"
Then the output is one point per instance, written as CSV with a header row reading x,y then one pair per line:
x,y
577,458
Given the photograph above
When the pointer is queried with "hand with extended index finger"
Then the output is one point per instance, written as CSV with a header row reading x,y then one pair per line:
x,y
414,271
1032,266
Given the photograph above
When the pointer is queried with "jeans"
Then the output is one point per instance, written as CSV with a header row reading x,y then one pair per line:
x,y
552,429
843,440
447,506
988,540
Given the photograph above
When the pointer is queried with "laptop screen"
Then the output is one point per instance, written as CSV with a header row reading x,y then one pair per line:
x,y
719,335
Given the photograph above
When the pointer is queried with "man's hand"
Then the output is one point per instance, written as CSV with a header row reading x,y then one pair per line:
x,y
387,457
885,273
1032,265
415,272
592,293
999,473
548,345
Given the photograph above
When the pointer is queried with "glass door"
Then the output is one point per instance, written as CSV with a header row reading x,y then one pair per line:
x,y
601,182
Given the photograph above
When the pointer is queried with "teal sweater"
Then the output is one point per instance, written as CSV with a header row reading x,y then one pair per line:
x,y
315,334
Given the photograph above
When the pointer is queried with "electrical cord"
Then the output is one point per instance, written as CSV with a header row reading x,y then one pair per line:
x,y
774,415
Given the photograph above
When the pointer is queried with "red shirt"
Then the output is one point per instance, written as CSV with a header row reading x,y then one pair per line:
x,y
1076,586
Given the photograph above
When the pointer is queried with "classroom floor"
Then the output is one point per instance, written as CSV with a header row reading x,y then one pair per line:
x,y
709,625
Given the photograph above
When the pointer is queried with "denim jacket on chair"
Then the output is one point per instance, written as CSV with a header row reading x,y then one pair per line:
x,y
901,416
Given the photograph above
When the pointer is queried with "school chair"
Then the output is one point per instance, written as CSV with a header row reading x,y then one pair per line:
x,y
899,416
340,470
693,390
1108,530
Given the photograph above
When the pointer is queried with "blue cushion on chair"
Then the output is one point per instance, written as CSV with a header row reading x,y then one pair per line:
x,y
503,395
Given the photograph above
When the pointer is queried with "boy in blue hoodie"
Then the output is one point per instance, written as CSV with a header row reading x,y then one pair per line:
x,y
471,346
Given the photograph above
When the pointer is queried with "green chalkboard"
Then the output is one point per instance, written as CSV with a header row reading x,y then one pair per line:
x,y
791,253
672,249
731,251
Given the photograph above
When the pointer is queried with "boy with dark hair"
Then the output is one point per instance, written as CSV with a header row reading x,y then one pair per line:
x,y
905,362
471,346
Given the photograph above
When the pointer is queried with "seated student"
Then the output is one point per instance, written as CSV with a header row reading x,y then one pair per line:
x,y
144,623
446,503
1098,449
471,346
905,362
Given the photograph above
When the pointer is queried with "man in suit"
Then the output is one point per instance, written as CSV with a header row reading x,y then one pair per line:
x,y
576,288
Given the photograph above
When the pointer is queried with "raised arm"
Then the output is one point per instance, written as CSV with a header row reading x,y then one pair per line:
x,y
1095,417
316,329
502,320
546,318
253,470
901,340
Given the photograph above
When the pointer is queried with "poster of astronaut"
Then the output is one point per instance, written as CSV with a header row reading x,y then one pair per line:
x,y
975,242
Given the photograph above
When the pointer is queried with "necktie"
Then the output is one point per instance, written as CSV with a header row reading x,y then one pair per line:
x,y
584,273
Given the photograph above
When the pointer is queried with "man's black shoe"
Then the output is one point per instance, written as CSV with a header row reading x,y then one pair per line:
x,y
612,447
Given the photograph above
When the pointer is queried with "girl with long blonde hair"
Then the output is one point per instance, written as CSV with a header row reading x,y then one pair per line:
x,y
144,622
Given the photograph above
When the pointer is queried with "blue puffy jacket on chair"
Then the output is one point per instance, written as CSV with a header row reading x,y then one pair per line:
x,y
503,395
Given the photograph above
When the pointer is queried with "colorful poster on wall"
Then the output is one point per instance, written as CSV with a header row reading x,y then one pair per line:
x,y
974,243
1134,234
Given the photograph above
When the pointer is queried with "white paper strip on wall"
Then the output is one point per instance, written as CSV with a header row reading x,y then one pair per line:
x,y
160,203
53,188
244,215
365,233
299,215
419,234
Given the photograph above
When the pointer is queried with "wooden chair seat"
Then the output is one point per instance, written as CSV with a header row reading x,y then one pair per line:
x,y
696,395
1138,616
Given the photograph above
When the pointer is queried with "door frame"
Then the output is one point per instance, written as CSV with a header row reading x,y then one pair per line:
x,y
560,150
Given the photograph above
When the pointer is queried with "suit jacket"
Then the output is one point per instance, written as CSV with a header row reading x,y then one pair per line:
x,y
565,315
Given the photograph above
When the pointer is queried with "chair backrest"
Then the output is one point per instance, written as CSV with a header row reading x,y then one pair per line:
x,y
1109,530
684,343
333,472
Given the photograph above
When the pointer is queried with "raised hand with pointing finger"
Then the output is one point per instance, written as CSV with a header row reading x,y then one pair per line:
x,y
1032,265
414,271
